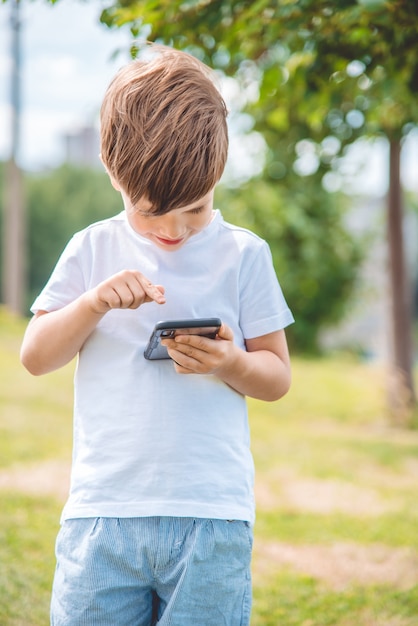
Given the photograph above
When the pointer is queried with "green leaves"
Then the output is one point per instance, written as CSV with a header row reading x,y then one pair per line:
x,y
314,57
316,259
59,204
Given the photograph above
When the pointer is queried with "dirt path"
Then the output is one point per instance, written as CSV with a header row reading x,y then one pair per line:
x,y
341,565
337,565
50,478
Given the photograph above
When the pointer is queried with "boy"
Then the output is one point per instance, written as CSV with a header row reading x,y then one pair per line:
x,y
158,525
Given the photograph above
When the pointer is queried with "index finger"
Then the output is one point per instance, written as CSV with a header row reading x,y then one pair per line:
x,y
156,293
153,292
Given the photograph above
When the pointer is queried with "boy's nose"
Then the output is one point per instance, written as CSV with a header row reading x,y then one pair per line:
x,y
172,228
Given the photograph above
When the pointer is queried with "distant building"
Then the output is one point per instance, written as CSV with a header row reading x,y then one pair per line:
x,y
82,147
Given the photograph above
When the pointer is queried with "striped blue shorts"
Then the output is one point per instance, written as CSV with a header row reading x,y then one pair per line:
x,y
152,570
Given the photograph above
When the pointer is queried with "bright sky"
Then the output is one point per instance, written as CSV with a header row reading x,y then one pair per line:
x,y
66,66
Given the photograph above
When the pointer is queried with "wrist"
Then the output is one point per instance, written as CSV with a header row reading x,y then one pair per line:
x,y
233,366
93,305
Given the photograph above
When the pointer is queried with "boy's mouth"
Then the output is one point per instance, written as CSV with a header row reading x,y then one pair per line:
x,y
170,242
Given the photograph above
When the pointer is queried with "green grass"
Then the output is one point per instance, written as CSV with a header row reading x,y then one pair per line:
x,y
35,421
299,601
27,530
336,486
35,426
331,440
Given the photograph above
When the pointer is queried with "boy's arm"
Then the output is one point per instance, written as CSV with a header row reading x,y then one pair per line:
x,y
53,339
262,371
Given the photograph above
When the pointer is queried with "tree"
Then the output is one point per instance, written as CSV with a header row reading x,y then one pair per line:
x,y
59,204
317,272
341,69
14,216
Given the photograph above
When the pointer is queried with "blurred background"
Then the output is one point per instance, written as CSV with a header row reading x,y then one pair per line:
x,y
323,164
323,156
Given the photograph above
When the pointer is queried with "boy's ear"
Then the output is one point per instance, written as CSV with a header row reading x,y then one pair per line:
x,y
112,180
114,183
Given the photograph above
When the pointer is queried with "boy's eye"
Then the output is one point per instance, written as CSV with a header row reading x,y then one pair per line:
x,y
198,209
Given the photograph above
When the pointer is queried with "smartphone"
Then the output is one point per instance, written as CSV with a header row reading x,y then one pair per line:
x,y
206,327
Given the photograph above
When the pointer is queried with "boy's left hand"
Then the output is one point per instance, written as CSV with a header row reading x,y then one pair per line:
x,y
193,354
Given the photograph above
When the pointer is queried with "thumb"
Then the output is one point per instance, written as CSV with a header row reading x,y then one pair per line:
x,y
225,333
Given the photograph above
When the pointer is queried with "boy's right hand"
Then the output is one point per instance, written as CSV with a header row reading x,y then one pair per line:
x,y
72,324
126,290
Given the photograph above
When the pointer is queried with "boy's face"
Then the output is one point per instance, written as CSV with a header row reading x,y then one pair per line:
x,y
171,230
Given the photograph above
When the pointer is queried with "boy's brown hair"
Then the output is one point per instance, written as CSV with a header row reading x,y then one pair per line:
x,y
163,130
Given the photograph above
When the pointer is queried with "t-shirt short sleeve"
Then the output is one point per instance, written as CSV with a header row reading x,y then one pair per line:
x,y
263,306
66,282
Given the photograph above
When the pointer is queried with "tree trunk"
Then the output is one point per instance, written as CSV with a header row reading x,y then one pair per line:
x,y
401,385
14,222
14,240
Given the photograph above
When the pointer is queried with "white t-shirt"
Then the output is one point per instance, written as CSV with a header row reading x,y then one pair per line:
x,y
149,441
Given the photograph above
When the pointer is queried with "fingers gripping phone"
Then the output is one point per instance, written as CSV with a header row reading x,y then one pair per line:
x,y
205,327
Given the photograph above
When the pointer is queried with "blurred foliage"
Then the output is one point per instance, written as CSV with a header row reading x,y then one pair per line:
x,y
346,67
59,203
315,76
316,258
